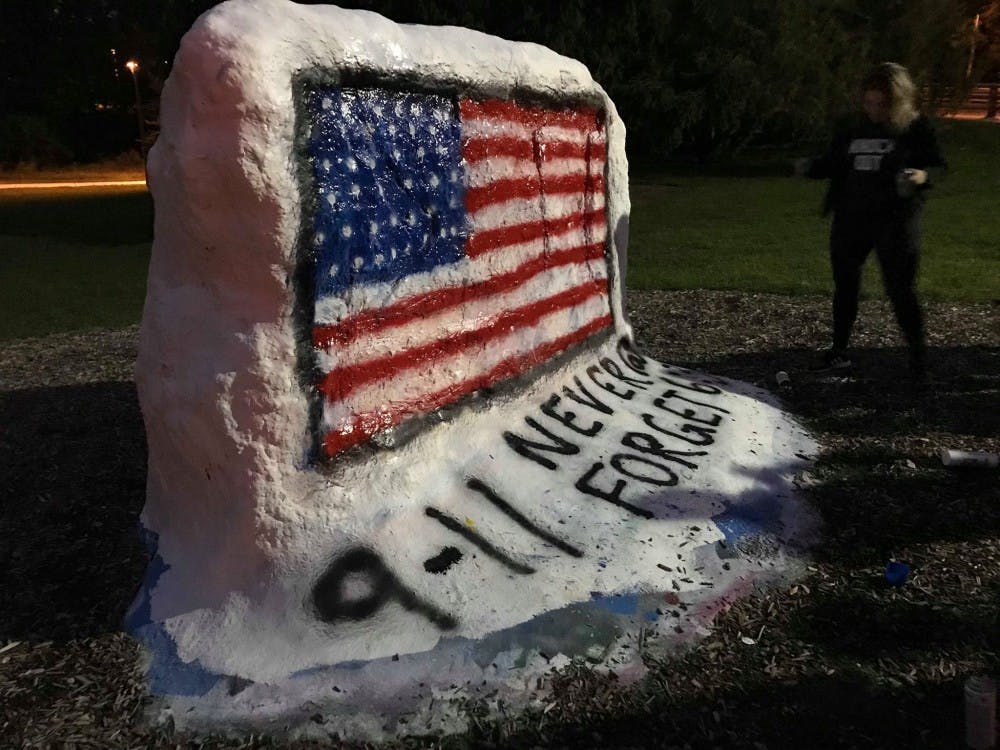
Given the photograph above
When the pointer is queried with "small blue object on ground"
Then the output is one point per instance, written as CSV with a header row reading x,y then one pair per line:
x,y
896,573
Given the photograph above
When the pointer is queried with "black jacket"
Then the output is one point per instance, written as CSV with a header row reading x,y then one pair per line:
x,y
864,158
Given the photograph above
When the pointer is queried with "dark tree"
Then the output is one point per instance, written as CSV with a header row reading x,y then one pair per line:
x,y
695,76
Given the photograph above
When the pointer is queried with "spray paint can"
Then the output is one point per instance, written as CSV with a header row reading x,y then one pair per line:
x,y
782,379
977,459
980,713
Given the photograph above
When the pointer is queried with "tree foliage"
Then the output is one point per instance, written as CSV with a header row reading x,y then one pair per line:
x,y
986,40
938,40
688,76
694,75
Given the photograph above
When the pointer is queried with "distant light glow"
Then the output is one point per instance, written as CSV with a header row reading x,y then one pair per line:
x,y
53,185
132,66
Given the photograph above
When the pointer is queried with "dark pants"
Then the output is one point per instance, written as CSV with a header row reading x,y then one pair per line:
x,y
895,237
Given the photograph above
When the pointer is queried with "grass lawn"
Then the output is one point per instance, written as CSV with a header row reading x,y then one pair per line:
x,y
72,259
764,233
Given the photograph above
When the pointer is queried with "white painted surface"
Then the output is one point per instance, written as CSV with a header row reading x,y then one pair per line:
x,y
246,525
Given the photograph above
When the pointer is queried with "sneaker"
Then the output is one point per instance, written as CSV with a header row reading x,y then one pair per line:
x,y
832,360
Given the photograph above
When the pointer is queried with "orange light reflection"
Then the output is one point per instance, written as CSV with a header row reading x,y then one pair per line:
x,y
54,185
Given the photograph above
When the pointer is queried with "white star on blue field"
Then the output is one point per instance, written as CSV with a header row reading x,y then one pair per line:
x,y
390,195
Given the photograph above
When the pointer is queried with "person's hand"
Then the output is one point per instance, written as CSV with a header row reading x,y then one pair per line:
x,y
908,180
801,166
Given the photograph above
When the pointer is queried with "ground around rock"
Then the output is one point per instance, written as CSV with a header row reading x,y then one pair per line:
x,y
838,659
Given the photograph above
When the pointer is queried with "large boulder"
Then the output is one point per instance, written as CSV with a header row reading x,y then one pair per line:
x,y
399,436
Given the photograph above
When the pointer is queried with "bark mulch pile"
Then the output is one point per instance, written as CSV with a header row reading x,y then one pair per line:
x,y
838,659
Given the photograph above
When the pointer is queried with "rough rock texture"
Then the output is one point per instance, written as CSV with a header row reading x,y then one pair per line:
x,y
231,497
577,478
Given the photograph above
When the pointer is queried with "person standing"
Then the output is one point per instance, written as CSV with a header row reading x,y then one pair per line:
x,y
878,165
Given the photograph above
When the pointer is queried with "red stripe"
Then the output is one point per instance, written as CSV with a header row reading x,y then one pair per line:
x,y
429,303
572,183
477,149
584,119
339,383
363,426
569,150
500,191
491,239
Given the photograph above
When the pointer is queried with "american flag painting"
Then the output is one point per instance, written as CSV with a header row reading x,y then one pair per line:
x,y
456,243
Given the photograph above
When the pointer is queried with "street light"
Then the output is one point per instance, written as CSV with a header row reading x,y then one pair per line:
x,y
133,66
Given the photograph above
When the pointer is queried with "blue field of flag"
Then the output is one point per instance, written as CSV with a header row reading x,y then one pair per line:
x,y
389,187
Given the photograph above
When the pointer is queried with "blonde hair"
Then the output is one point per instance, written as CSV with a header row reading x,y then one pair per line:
x,y
893,80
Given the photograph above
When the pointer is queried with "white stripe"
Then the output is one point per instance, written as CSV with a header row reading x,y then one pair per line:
x,y
558,133
471,315
408,386
487,128
523,210
502,168
507,214
466,271
571,166
488,171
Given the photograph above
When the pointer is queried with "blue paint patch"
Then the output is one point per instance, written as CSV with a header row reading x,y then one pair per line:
x,y
389,185
168,674
750,517
735,527
353,664
138,613
651,616
896,573
619,604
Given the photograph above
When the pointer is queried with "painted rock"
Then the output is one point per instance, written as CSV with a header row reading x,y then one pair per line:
x,y
399,436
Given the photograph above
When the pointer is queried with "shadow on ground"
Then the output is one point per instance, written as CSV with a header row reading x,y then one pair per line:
x,y
881,484
73,462
879,399
836,711
852,663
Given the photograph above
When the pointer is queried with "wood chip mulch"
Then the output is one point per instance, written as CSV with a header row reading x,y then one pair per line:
x,y
837,659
